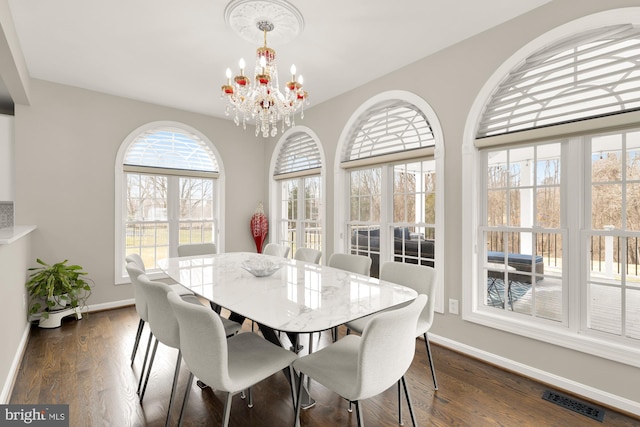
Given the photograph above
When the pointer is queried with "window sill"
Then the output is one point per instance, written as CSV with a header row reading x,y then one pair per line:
x,y
558,335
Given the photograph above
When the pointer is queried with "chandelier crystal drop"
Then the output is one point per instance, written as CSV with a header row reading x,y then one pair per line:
x,y
260,99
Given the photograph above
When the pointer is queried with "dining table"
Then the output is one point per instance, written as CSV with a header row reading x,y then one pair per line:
x,y
284,295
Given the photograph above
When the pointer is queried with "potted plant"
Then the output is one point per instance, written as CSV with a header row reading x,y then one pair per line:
x,y
57,288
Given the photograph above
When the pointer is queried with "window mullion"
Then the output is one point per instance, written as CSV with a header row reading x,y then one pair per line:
x,y
386,213
173,213
301,220
574,218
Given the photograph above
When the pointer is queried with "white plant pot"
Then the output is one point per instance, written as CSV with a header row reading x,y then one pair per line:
x,y
55,317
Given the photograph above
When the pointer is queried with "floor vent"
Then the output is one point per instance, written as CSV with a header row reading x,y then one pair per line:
x,y
584,408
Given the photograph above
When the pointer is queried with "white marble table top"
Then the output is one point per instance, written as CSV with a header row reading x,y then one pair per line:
x,y
299,297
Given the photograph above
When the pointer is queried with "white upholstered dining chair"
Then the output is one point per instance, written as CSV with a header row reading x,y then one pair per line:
x,y
420,278
192,249
276,250
143,312
229,365
137,260
308,255
360,367
358,264
164,326
312,256
135,267
353,263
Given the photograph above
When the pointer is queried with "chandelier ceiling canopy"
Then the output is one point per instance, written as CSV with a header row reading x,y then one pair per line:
x,y
260,98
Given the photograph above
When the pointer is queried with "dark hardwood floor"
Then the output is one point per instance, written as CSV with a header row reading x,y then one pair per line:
x,y
86,364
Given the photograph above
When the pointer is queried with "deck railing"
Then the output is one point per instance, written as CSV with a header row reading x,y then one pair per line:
x,y
605,250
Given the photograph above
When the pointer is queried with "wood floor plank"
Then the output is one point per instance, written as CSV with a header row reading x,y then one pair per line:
x,y
86,364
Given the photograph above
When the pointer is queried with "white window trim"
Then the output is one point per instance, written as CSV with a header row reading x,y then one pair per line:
x,y
341,181
275,187
120,193
471,208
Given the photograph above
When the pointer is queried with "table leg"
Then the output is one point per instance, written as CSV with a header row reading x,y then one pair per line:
x,y
271,336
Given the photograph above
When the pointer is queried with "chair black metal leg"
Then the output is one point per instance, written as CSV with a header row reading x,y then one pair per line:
x,y
298,400
433,369
146,381
400,422
186,398
176,374
137,341
227,410
144,363
406,392
359,414
292,376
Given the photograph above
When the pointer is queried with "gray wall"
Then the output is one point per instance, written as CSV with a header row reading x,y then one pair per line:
x,y
67,139
66,145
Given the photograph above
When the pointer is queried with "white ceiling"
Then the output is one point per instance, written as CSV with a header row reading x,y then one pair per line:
x,y
175,53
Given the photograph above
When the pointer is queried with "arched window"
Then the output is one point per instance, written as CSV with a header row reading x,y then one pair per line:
x,y
557,142
592,74
298,190
389,127
168,193
391,171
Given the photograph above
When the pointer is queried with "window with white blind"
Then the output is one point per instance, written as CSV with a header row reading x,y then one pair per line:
x,y
297,174
391,176
558,148
167,179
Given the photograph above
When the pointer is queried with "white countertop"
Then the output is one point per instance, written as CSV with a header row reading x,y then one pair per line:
x,y
9,235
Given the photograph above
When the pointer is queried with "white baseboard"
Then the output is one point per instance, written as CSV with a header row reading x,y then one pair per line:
x,y
110,305
591,393
7,388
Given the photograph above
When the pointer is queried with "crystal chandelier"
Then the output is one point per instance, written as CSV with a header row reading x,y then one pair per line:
x,y
261,99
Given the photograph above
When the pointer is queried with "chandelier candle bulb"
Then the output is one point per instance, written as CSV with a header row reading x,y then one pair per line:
x,y
227,89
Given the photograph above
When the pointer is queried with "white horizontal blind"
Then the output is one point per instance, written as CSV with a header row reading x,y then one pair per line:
x,y
298,154
170,148
389,127
589,75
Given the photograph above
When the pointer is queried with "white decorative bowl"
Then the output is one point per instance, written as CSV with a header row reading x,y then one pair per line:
x,y
261,267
